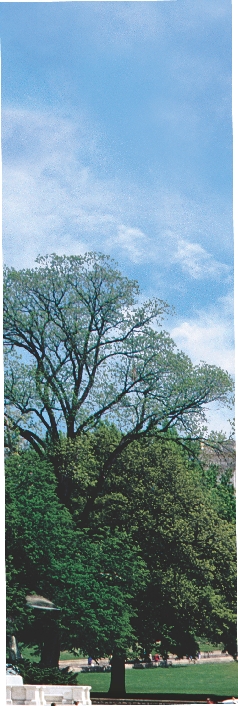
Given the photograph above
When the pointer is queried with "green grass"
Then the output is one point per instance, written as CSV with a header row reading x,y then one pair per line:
x,y
31,654
221,679
206,646
70,655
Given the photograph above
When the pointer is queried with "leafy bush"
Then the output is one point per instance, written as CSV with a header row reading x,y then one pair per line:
x,y
33,673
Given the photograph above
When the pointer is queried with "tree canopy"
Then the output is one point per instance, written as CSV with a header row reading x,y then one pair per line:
x,y
155,563
91,580
80,346
184,523
107,516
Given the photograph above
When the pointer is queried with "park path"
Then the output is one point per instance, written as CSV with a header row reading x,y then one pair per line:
x,y
216,656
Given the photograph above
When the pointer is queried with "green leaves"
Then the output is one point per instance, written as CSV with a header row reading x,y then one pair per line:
x,y
155,494
87,350
156,562
117,527
92,580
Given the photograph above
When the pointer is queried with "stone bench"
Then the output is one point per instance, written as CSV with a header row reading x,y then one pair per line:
x,y
25,694
43,694
66,694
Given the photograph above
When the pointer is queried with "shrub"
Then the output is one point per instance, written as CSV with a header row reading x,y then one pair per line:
x,y
33,673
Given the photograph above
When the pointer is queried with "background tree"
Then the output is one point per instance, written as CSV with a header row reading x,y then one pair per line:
x,y
80,348
163,500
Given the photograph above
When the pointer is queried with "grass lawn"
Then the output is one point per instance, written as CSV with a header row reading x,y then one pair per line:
x,y
30,653
217,679
205,646
70,655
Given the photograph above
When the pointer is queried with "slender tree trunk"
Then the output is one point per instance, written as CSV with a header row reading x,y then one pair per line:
x,y
118,685
50,650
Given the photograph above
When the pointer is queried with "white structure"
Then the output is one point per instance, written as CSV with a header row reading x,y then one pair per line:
x,y
13,679
41,695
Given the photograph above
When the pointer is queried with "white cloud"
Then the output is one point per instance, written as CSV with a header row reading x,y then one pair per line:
x,y
53,197
217,421
201,218
61,193
197,262
123,24
208,336
133,241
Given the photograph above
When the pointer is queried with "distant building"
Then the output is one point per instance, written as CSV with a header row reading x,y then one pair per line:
x,y
224,458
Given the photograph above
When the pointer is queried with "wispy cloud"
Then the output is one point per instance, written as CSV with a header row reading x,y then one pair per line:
x,y
193,218
209,335
62,193
124,25
54,194
132,240
197,262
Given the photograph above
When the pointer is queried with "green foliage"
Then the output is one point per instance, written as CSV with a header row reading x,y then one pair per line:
x,y
80,348
159,498
112,595
222,492
92,581
32,673
115,524
79,464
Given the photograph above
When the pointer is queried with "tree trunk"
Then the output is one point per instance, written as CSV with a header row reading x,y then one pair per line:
x,y
117,686
50,650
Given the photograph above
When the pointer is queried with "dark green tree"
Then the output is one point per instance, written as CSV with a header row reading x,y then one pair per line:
x,y
179,583
157,494
92,581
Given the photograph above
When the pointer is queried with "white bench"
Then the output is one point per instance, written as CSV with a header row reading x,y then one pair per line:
x,y
43,694
66,694
31,694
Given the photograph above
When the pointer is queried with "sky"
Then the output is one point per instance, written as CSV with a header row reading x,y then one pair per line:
x,y
117,137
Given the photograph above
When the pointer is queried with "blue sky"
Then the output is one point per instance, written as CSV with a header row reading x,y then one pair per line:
x,y
117,136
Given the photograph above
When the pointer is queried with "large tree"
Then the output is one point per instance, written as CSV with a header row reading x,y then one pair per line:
x,y
156,562
183,518
81,347
93,580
